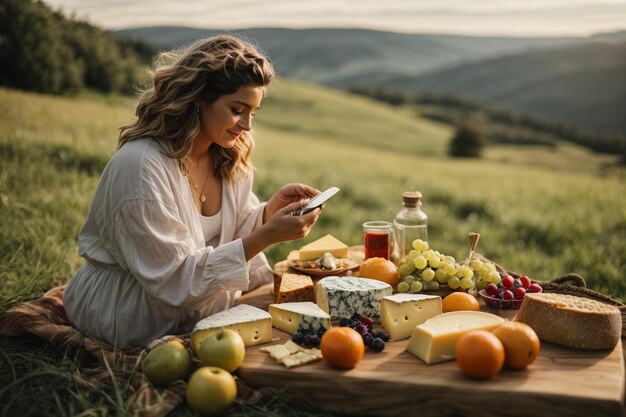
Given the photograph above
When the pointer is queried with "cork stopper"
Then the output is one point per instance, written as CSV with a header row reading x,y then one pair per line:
x,y
411,198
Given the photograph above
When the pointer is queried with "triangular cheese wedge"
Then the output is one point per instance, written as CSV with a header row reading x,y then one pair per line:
x,y
325,244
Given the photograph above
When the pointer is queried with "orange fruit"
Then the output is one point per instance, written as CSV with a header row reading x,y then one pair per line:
x,y
381,269
342,347
458,301
479,354
521,344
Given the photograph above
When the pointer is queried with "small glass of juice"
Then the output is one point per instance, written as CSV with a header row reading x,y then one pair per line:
x,y
377,239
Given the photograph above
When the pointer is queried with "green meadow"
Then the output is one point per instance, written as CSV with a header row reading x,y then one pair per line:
x,y
542,212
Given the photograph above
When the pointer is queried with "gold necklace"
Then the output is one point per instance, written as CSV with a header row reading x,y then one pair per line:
x,y
200,193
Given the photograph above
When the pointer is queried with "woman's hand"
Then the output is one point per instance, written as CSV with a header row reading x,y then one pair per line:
x,y
288,194
282,226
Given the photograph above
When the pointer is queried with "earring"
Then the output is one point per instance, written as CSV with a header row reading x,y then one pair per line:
x,y
197,109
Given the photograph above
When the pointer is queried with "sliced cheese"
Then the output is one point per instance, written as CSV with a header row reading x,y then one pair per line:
x,y
572,321
293,317
253,325
277,352
290,354
344,296
320,246
435,340
400,313
295,287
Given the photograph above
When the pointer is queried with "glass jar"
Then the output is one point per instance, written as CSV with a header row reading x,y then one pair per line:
x,y
409,224
377,239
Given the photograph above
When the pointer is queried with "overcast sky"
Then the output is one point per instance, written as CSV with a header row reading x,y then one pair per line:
x,y
474,17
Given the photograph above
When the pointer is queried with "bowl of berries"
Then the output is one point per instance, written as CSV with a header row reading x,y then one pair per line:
x,y
509,293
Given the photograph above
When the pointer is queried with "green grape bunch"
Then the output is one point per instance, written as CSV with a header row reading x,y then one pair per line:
x,y
425,269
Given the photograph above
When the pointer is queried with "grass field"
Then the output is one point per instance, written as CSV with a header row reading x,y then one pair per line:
x,y
539,212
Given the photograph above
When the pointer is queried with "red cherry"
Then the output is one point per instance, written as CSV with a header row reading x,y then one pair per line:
x,y
535,288
519,293
492,289
525,281
507,295
507,282
367,322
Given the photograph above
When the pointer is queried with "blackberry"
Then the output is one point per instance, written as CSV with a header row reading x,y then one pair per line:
x,y
297,338
344,322
383,335
377,345
315,340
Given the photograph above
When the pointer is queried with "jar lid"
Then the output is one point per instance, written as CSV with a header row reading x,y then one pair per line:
x,y
411,198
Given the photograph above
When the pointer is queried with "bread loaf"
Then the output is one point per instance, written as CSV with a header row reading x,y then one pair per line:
x,y
572,321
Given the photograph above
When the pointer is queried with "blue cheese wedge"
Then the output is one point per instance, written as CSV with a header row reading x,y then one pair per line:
x,y
253,325
344,296
302,316
400,313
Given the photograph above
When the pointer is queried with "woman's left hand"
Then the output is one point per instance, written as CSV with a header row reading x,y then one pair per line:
x,y
290,193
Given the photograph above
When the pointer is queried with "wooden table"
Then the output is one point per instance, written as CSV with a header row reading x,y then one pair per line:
x,y
561,382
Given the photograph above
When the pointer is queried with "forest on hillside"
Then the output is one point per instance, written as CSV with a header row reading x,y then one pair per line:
x,y
501,125
42,50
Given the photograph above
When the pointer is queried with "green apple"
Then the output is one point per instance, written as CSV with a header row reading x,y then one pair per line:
x,y
167,363
211,390
224,349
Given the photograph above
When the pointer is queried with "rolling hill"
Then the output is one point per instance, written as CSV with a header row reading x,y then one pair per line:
x,y
342,57
577,81
579,84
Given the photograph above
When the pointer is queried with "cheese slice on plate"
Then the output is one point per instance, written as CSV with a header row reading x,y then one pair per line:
x,y
253,325
291,317
400,313
435,340
344,296
325,244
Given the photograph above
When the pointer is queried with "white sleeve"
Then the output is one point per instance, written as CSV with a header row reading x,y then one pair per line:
x,y
250,209
160,252
249,219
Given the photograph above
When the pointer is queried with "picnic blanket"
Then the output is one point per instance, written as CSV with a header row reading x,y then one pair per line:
x,y
46,319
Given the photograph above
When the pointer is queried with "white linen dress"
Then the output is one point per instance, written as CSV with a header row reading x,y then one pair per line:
x,y
148,271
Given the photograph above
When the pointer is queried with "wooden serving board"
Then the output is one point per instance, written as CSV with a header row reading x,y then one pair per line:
x,y
561,382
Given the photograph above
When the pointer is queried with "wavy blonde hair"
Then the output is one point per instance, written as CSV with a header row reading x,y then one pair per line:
x,y
205,70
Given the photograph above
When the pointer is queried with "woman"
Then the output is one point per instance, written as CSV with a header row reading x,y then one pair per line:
x,y
174,232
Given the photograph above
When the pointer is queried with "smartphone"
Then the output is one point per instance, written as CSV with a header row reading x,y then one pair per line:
x,y
317,201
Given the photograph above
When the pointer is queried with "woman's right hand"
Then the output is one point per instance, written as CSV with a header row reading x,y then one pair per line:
x,y
284,226
281,227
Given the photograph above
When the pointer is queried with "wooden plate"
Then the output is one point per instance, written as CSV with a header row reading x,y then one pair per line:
x,y
320,273
353,264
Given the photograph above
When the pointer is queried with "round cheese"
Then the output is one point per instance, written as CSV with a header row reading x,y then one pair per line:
x,y
572,321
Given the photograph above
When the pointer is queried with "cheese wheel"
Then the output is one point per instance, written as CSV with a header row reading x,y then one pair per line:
x,y
571,321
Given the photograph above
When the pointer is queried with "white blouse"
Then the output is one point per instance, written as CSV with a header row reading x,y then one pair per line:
x,y
148,271
211,226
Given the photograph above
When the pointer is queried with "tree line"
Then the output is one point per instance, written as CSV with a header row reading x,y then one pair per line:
x,y
501,126
42,50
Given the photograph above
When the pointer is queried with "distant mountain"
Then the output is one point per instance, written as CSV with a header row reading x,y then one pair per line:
x,y
609,37
582,84
574,80
343,57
